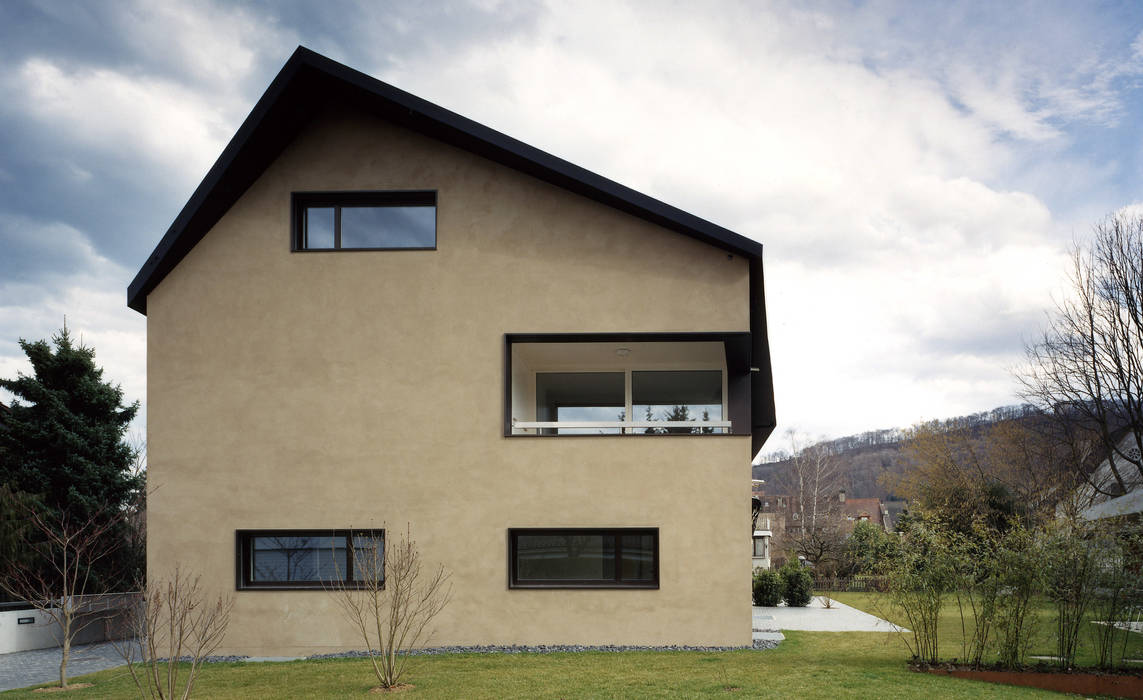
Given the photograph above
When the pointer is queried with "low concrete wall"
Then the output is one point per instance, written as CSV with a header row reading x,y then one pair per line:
x,y
102,617
40,633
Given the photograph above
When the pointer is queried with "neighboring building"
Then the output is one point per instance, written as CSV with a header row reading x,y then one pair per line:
x,y
893,511
1128,500
856,510
504,321
760,539
760,555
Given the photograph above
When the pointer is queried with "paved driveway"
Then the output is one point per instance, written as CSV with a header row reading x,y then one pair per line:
x,y
815,617
24,668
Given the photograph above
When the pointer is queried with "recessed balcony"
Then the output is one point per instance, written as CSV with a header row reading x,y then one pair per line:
x,y
682,384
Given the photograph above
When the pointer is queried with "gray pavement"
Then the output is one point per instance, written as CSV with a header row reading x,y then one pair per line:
x,y
24,668
817,618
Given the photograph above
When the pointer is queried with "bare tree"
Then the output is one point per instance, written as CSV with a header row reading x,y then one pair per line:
x,y
1088,365
1037,463
62,552
174,622
394,602
813,481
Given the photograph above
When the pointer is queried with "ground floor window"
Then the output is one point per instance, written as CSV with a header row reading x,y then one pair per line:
x,y
584,558
307,559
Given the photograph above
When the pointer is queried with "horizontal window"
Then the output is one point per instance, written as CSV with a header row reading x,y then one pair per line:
x,y
365,221
584,558
306,559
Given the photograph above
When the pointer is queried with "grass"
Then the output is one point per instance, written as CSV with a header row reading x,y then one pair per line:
x,y
950,635
828,665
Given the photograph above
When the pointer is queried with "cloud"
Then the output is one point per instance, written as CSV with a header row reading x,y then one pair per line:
x,y
915,172
158,122
904,272
71,282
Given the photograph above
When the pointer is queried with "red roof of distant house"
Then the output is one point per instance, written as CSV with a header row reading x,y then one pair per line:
x,y
857,508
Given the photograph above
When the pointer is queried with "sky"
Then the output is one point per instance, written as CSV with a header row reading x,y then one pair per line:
x,y
917,171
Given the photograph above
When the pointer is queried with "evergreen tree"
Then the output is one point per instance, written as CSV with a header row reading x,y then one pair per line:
x,y
649,416
63,446
678,412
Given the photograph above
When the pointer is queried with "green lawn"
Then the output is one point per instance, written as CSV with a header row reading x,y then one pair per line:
x,y
950,636
807,665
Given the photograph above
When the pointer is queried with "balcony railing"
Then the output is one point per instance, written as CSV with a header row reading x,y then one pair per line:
x,y
619,424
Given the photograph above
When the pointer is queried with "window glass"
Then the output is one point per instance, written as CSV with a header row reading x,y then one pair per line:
x,y
319,227
565,557
579,396
388,227
284,558
368,557
677,395
584,558
638,557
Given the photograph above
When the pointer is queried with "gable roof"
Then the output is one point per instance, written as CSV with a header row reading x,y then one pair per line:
x,y
310,80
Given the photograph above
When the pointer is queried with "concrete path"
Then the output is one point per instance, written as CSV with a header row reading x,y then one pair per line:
x,y
23,668
816,618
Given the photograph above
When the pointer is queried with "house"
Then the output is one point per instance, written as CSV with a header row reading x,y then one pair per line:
x,y
893,511
1112,499
760,538
856,510
370,301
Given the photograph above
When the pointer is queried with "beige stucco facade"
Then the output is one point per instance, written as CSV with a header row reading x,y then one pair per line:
x,y
366,389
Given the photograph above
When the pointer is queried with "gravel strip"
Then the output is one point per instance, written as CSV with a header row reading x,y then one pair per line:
x,y
206,659
543,649
498,649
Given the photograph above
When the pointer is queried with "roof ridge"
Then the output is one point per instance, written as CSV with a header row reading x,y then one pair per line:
x,y
274,121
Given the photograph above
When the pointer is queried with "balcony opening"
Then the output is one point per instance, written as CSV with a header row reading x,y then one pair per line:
x,y
627,385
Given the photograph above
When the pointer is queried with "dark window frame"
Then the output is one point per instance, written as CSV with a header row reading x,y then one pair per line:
x,y
739,376
300,201
243,540
514,581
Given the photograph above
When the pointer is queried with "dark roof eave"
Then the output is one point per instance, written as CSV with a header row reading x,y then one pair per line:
x,y
270,126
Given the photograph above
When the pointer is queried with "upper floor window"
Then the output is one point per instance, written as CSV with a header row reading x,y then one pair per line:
x,y
365,220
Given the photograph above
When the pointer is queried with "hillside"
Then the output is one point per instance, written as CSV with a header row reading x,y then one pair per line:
x,y
866,456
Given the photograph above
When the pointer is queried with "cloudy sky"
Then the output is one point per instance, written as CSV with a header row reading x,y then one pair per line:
x,y
916,171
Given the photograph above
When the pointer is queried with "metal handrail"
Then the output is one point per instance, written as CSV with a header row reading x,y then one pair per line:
x,y
529,425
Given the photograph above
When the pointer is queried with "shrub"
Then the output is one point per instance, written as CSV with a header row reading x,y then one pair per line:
x,y
920,580
1070,565
767,588
395,603
1019,579
797,585
175,620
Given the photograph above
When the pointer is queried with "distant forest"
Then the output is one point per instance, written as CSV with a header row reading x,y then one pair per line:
x,y
867,456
